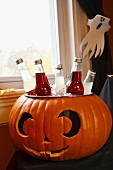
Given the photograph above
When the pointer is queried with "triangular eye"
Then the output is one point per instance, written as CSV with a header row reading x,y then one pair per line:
x,y
23,118
74,117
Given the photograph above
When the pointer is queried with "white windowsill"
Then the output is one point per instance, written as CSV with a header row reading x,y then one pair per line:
x,y
6,102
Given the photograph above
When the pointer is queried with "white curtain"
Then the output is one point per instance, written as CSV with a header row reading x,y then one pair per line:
x,y
72,26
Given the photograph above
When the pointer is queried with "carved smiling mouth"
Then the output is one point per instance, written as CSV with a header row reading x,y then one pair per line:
x,y
55,153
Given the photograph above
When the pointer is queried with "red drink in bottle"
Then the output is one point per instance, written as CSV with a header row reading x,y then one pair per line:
x,y
42,87
75,85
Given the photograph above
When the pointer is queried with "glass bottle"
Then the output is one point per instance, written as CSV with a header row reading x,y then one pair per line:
x,y
74,85
28,79
42,87
88,81
59,79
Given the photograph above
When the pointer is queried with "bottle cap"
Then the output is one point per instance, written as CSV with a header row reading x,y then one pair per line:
x,y
78,60
20,60
59,66
92,73
39,61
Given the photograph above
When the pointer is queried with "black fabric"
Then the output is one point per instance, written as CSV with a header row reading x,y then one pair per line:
x,y
22,161
91,7
107,93
101,65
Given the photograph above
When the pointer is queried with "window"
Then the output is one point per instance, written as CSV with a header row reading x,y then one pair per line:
x,y
32,29
26,33
29,31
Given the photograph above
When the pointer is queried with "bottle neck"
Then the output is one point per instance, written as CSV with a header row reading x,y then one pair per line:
x,y
24,71
59,72
40,74
22,66
76,72
76,67
90,77
76,76
39,68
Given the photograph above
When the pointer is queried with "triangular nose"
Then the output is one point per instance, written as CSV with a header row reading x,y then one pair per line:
x,y
46,139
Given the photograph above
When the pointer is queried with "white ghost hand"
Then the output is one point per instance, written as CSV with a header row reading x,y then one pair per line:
x,y
94,40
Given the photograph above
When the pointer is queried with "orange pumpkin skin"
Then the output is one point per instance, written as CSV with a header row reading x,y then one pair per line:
x,y
43,133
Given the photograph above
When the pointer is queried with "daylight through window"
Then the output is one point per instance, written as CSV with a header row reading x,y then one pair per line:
x,y
26,32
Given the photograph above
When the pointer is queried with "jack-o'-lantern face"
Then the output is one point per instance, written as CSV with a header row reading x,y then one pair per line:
x,y
50,139
60,128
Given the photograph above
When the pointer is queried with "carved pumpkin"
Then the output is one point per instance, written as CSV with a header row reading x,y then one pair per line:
x,y
60,128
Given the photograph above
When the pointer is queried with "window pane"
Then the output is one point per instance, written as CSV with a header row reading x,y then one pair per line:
x,y
25,32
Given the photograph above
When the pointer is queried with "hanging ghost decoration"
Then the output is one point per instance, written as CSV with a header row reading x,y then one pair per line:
x,y
93,42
